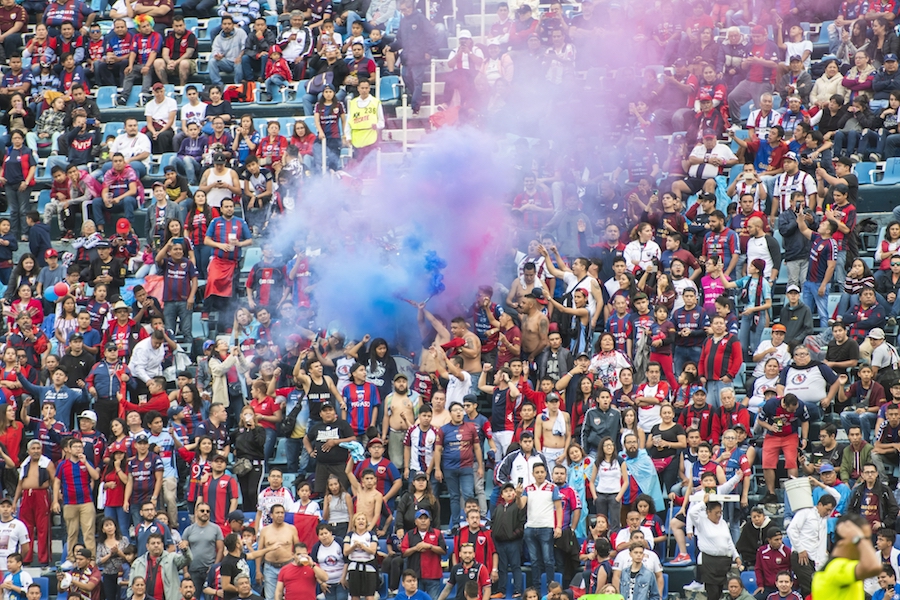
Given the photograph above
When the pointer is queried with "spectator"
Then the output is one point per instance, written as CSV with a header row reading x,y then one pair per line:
x,y
145,48
542,501
417,42
814,383
783,419
227,52
206,543
298,578
163,566
72,490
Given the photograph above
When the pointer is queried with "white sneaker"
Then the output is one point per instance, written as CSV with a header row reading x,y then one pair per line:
x,y
694,587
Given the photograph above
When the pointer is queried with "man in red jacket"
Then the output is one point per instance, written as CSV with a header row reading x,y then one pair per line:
x,y
158,400
720,361
698,414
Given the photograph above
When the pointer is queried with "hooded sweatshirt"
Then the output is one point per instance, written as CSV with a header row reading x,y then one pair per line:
x,y
751,538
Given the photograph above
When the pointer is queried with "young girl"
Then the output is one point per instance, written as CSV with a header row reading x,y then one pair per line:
x,y
195,224
662,333
271,148
331,119
712,283
647,509
200,470
608,481
196,409
336,507
25,272
66,322
360,548
114,479
246,139
304,140
531,594
10,386
49,126
578,477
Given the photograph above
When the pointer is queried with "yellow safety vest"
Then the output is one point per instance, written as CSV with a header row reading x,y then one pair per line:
x,y
363,122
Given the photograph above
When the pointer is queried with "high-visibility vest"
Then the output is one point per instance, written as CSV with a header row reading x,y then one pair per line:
x,y
362,122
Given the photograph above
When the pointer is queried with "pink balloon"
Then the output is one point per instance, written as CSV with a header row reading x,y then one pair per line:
x,y
61,288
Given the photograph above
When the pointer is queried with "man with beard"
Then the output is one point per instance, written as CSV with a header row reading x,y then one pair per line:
x,y
523,284
640,466
400,408
207,545
226,235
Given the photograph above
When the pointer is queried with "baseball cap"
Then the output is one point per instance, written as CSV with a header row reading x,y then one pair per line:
x,y
88,414
796,58
175,410
890,56
168,168
759,29
216,457
779,327
400,376
470,399
709,133
236,515
876,333
423,513
140,438
158,86
420,475
51,253
102,244
740,426
705,97
640,296
208,344
845,160
537,294
464,34
374,441
219,159
793,288
699,390
775,532
76,335
552,397
156,184
123,226
826,468
111,346
584,354
509,485
791,156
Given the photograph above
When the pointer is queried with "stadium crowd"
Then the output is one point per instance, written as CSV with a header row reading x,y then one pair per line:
x,y
690,316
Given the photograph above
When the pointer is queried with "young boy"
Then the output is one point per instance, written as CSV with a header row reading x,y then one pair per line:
x,y
190,153
887,580
368,499
17,580
304,505
410,589
508,528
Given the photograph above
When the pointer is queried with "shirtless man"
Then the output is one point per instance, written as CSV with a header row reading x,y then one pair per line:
x,y
280,537
369,500
433,331
35,496
440,416
523,285
401,407
554,431
470,350
535,324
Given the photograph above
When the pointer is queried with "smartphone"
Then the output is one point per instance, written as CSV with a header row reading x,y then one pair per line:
x,y
177,241
521,480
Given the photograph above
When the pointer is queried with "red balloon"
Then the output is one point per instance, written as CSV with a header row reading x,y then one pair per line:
x,y
61,288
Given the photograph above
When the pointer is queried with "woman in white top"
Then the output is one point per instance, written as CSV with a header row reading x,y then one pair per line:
x,y
640,252
609,362
829,84
360,548
609,480
768,381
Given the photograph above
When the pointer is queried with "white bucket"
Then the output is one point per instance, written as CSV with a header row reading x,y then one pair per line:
x,y
799,493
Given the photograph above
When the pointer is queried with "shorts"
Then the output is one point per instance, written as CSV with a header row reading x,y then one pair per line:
x,y
695,184
362,583
773,448
551,454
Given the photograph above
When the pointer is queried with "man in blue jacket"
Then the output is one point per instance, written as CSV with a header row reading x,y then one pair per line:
x,y
418,44
58,394
107,380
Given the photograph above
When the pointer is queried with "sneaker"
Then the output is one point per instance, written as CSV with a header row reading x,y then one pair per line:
x,y
694,587
121,100
681,559
769,499
856,157
892,321
874,157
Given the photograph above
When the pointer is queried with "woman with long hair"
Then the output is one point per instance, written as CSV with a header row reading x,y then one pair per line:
x,y
630,426
196,221
859,277
118,439
884,41
196,409
361,550
660,289
608,362
609,482
272,147
175,230
25,302
304,140
578,476
111,556
380,365
250,444
420,497
268,413
667,438
245,330
113,480
716,88
756,297
66,322
337,507
200,470
246,139
889,248
10,386
11,432
662,332
856,40
889,132
858,144
25,271
331,119
642,250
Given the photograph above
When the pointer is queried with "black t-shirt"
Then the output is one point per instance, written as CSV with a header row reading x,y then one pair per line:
x,y
232,566
669,435
322,432
849,350
852,183
833,456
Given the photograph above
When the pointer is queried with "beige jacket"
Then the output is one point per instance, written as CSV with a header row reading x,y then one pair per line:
x,y
218,368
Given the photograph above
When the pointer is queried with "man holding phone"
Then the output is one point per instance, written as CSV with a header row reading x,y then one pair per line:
x,y
179,287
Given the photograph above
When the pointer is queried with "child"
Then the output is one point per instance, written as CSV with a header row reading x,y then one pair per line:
x,y
411,583
368,499
684,392
16,580
39,235
190,154
887,580
130,553
327,37
278,71
356,35
125,243
304,505
44,81
49,126
375,49
101,152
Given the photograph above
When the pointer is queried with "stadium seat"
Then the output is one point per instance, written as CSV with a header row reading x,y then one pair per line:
x,y
665,590
278,98
865,172
113,128
43,201
191,23
389,88
749,580
106,97
203,32
156,168
44,582
134,99
280,457
184,519
287,126
891,172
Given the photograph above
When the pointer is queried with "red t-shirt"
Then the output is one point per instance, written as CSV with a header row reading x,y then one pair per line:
x,y
266,407
115,497
298,582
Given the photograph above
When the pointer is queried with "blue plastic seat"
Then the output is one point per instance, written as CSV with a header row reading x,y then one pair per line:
x,y
156,169
389,88
43,201
277,98
865,171
106,97
891,172
44,582
204,33
113,128
191,23
749,580
134,98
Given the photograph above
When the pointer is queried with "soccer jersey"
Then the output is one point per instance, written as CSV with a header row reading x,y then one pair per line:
x,y
421,446
459,445
75,482
218,492
361,403
820,252
143,475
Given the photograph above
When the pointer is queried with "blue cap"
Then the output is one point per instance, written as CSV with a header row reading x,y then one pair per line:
x,y
423,513
891,56
826,468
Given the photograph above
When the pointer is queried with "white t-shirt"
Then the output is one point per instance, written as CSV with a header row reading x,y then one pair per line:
x,y
193,114
12,535
760,386
885,356
159,111
758,247
458,388
572,282
708,170
609,477
782,354
331,560
797,49
129,146
121,8
22,580
785,185
651,560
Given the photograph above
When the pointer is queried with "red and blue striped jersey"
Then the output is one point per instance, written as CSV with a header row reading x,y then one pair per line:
x,y
621,329
74,482
218,493
361,403
723,243
385,472
143,474
820,252
459,443
221,228
177,277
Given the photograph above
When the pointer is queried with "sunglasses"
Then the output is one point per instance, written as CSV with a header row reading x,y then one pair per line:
x,y
895,264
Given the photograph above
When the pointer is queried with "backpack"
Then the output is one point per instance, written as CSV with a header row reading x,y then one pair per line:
x,y
241,92
286,427
317,84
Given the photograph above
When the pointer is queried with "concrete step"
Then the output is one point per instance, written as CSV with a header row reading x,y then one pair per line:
x,y
395,135
424,111
419,122
438,87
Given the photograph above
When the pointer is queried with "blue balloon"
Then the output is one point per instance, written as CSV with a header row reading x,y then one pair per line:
x,y
50,295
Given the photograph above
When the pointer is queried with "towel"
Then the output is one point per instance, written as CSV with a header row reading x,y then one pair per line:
x,y
559,426
643,472
357,452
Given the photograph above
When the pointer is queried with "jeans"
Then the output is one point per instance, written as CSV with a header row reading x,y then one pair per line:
x,y
19,205
750,339
685,354
336,592
172,312
714,392
135,511
414,78
865,421
253,67
111,74
270,575
120,516
274,84
810,295
200,8
298,457
271,437
539,541
224,66
202,253
431,587
509,555
840,269
744,92
127,205
461,485
189,167
606,504
146,80
333,155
